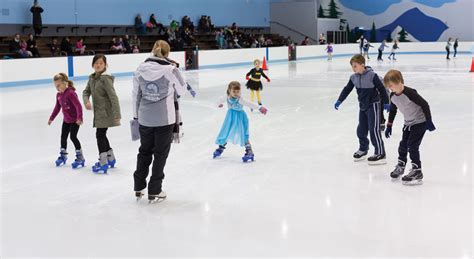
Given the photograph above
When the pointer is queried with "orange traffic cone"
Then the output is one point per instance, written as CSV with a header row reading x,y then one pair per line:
x,y
472,64
264,65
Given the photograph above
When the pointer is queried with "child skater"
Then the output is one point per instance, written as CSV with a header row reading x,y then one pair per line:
x,y
417,120
106,107
394,50
383,45
329,50
253,81
369,90
68,102
236,124
367,45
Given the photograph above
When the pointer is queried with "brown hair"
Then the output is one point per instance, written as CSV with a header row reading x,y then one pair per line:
x,y
161,49
393,76
257,60
359,59
233,85
100,56
65,79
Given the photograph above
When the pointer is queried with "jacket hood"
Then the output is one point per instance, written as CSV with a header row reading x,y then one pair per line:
x,y
151,71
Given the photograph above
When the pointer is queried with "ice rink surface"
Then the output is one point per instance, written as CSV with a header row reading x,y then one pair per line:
x,y
303,196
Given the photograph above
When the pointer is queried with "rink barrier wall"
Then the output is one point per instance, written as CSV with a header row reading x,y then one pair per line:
x,y
14,72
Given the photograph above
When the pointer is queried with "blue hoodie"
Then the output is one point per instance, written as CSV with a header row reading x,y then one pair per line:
x,y
369,89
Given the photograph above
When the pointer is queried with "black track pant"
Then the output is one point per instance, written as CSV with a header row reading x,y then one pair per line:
x,y
70,129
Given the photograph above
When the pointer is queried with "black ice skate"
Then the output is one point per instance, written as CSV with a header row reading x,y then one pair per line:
x,y
359,155
139,195
156,198
398,171
414,177
377,160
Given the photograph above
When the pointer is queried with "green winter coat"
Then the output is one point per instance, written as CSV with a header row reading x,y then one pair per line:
x,y
105,103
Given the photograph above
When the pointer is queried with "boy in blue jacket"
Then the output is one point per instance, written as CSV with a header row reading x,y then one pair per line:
x,y
369,90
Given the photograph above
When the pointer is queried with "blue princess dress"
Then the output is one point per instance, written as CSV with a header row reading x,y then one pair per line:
x,y
236,124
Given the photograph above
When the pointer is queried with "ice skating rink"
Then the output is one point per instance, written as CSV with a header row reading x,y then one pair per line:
x,y
303,196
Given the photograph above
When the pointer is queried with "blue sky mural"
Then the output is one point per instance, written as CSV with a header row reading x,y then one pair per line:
x,y
372,7
419,25
434,3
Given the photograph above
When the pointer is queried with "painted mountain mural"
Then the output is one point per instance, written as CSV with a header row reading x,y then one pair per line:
x,y
421,26
374,7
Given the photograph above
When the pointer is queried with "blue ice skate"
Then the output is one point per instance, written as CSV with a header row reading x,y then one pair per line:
x,y
218,151
79,161
102,166
62,157
248,157
111,158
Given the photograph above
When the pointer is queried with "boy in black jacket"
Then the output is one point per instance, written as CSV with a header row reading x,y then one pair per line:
x,y
417,120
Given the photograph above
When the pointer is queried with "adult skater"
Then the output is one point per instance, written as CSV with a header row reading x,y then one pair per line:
x,y
448,48
383,45
36,10
455,46
362,42
157,83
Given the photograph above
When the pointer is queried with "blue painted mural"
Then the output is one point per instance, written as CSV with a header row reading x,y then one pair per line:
x,y
421,26
371,7
434,3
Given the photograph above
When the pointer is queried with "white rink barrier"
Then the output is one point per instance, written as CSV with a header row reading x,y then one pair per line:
x,y
24,72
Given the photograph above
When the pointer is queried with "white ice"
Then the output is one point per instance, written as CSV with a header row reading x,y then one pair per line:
x,y
303,196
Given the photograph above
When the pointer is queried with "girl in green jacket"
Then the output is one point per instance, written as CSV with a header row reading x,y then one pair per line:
x,y
106,107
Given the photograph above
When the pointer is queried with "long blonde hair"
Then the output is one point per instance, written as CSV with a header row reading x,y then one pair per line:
x,y
65,79
161,49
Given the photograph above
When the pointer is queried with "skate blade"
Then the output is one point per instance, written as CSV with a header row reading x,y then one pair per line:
x,y
360,159
395,179
413,183
157,200
380,162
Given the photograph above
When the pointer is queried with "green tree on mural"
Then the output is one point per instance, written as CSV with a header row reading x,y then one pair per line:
x,y
373,33
350,34
333,10
321,12
389,37
402,36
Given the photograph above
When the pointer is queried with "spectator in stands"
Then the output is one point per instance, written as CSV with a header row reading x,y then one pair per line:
x,y
126,44
15,45
204,25
261,40
156,24
37,21
178,45
234,28
139,26
80,47
254,43
220,39
24,52
236,44
186,23
174,25
187,36
135,49
289,41
305,41
135,42
268,42
211,26
66,46
116,46
53,47
31,46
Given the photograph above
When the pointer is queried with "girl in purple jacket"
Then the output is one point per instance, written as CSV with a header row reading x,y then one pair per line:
x,y
68,102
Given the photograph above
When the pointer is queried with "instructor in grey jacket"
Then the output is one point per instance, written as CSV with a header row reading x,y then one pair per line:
x,y
156,85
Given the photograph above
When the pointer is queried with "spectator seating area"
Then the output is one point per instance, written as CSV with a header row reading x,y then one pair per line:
x,y
101,43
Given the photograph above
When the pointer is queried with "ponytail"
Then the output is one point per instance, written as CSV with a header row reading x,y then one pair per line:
x,y
161,49
65,79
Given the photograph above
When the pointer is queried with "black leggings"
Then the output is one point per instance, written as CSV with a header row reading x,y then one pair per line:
x,y
102,141
73,129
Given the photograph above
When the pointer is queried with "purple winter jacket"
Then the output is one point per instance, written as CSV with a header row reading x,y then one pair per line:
x,y
69,103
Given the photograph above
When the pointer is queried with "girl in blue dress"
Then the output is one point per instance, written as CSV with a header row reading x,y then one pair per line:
x,y
236,124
